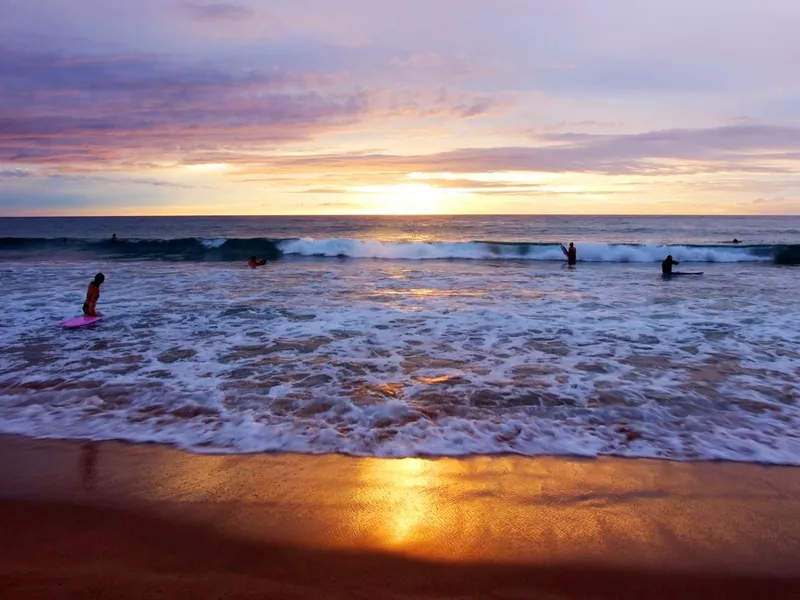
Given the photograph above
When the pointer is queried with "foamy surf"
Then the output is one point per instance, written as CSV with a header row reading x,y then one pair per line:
x,y
387,358
613,253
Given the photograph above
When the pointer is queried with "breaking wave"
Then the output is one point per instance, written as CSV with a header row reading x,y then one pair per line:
x,y
236,249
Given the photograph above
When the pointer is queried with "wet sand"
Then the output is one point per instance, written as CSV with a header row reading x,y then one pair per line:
x,y
115,521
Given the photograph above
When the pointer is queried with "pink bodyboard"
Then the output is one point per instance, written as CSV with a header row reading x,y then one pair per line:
x,y
79,322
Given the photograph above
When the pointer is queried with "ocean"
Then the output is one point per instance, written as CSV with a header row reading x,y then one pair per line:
x,y
408,336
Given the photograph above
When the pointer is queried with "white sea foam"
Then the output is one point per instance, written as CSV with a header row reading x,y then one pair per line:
x,y
391,358
213,243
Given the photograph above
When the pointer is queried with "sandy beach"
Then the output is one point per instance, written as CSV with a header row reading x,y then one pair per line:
x,y
112,520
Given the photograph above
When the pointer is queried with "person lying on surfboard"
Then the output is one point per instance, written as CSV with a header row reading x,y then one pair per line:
x,y
93,295
256,262
666,265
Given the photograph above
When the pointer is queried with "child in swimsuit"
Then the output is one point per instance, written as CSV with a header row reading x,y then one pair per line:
x,y
93,295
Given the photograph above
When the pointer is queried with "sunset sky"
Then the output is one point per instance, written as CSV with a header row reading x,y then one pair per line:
x,y
399,107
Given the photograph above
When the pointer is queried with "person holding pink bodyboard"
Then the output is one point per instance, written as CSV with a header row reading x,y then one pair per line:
x,y
89,306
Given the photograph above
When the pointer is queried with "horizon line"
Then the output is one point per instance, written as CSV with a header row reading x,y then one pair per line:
x,y
383,216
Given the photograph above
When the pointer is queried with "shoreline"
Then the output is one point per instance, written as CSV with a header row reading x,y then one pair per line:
x,y
123,520
213,452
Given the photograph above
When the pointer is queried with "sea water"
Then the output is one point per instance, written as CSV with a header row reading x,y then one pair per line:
x,y
408,336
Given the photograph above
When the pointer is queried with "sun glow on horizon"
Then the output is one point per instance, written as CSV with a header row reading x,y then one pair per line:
x,y
405,199
519,177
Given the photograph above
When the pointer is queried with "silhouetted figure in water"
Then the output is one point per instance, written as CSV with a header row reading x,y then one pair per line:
x,y
572,254
666,265
735,241
114,238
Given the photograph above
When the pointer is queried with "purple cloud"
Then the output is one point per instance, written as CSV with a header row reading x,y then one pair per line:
x,y
679,142
724,149
15,173
146,181
218,11
423,103
100,108
106,109
22,73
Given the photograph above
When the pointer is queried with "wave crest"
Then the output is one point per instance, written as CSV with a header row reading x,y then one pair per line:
x,y
236,249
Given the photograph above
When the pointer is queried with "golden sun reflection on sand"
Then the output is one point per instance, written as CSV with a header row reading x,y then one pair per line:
x,y
403,492
489,508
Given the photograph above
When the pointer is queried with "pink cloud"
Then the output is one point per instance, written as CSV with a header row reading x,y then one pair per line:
x,y
668,152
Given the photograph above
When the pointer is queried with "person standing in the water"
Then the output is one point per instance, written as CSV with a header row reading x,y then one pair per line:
x,y
666,265
93,295
572,254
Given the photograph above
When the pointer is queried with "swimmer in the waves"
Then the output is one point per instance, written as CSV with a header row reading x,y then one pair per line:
x,y
666,265
256,262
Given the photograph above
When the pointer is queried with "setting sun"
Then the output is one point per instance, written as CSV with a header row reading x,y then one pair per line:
x,y
405,199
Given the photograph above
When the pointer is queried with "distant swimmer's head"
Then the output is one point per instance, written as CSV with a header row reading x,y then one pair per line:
x,y
669,257
99,279
571,244
735,241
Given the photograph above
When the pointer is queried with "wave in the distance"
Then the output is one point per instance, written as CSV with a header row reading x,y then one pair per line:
x,y
235,249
